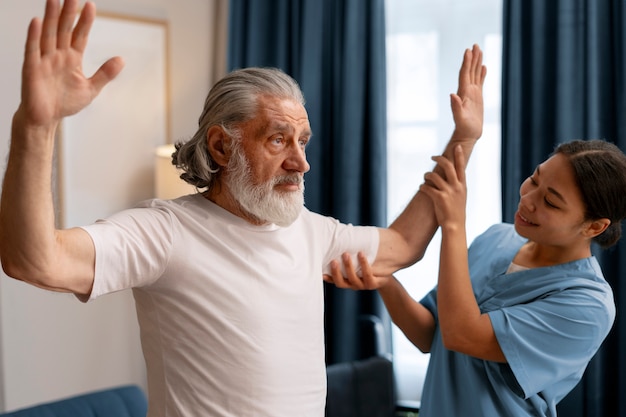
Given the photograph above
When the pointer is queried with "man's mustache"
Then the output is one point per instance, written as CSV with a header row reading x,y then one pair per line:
x,y
289,179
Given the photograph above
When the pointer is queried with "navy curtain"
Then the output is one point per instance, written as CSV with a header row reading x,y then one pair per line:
x,y
335,49
564,77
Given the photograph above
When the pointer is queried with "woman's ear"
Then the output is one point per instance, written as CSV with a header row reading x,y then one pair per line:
x,y
596,227
216,141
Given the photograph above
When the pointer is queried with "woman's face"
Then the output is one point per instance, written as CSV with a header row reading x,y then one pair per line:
x,y
551,210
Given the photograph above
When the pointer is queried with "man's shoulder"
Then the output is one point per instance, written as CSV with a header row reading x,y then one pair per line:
x,y
191,205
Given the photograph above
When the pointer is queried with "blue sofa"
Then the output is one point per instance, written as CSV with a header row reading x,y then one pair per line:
x,y
123,401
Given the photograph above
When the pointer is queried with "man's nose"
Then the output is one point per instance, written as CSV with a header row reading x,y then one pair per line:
x,y
296,160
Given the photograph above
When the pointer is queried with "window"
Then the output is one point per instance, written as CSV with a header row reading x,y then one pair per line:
x,y
425,44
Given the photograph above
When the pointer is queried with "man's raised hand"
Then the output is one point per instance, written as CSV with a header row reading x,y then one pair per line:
x,y
467,103
53,83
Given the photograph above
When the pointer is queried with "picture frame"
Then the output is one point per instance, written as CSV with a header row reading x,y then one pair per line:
x,y
104,158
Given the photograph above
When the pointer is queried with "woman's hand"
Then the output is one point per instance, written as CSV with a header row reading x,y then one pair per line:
x,y
449,193
352,280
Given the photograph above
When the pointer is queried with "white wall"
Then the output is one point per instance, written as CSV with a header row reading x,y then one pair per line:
x,y
51,345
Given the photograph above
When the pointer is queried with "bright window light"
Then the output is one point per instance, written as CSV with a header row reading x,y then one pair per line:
x,y
425,44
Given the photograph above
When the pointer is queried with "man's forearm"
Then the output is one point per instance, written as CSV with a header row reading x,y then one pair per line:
x,y
26,208
417,224
406,239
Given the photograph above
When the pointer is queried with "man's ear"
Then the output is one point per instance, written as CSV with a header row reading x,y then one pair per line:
x,y
216,143
596,227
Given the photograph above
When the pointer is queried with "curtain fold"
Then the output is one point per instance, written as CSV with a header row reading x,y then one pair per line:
x,y
335,49
564,78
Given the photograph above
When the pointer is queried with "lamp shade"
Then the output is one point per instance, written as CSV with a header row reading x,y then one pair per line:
x,y
167,182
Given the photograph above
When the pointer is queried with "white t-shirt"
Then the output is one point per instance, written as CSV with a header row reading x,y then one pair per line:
x,y
231,314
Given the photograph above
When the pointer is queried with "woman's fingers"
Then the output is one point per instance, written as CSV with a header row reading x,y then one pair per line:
x,y
460,163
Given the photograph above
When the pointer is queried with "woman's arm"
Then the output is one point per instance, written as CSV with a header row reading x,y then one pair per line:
x,y
415,320
463,327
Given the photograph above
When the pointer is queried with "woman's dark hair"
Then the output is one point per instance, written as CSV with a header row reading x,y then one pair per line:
x,y
600,171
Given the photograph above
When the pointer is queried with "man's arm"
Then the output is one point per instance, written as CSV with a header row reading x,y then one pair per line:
x,y
53,87
407,238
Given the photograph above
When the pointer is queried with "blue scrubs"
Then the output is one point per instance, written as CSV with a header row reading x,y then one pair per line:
x,y
549,322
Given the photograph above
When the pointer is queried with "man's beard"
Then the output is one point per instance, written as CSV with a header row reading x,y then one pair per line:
x,y
262,201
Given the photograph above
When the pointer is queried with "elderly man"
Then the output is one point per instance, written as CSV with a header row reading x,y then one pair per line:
x,y
228,281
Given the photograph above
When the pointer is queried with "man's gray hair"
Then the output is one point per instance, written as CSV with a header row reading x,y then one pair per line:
x,y
232,100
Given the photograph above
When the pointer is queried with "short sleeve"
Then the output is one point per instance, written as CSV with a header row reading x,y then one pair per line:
x,y
347,238
430,302
132,249
553,338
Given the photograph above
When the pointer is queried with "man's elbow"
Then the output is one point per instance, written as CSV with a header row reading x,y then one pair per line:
x,y
11,271
27,272
11,268
401,258
419,256
411,259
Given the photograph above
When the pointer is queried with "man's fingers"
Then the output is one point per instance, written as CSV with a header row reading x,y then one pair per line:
x,y
464,74
48,40
107,72
66,23
472,70
482,74
31,48
80,34
476,64
456,103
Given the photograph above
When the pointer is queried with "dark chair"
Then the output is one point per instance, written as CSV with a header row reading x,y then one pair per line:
x,y
364,387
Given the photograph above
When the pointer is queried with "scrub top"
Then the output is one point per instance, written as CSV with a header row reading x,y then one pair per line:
x,y
549,322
